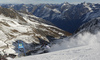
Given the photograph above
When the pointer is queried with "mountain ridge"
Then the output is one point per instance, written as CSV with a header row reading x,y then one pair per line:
x,y
61,15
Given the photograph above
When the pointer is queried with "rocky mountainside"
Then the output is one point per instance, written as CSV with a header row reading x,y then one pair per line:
x,y
66,16
93,26
30,29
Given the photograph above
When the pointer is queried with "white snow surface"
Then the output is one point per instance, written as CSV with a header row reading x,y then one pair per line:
x,y
84,47
87,6
2,44
92,15
80,53
56,11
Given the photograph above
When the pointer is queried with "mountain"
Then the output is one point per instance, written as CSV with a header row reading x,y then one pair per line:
x,y
16,26
85,46
93,26
66,16
21,26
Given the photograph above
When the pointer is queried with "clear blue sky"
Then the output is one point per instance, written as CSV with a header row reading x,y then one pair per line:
x,y
47,1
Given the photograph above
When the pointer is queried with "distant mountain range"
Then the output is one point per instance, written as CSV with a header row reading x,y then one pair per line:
x,y
66,16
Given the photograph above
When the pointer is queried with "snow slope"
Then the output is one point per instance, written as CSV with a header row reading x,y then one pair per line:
x,y
88,50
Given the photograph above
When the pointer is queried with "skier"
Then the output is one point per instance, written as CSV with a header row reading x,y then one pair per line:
x,y
46,49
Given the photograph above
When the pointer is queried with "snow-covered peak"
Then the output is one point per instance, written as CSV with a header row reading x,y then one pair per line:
x,y
84,3
56,11
88,6
65,3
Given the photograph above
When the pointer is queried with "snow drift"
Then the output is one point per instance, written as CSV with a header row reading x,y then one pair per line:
x,y
81,40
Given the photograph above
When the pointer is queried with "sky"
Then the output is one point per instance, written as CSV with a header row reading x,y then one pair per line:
x,y
47,1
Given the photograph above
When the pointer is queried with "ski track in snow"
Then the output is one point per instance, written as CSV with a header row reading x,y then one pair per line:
x,y
80,53
90,51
